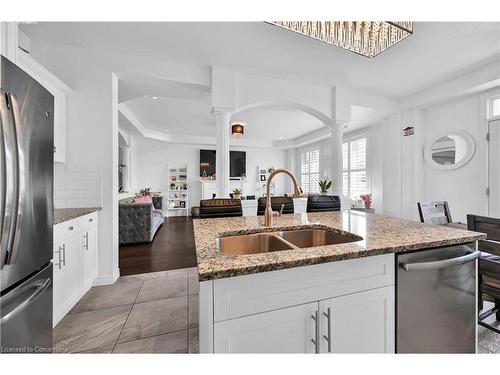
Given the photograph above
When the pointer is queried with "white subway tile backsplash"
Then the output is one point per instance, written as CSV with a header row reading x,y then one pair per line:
x,y
75,188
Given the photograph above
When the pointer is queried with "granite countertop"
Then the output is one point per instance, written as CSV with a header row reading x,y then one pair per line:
x,y
64,214
381,235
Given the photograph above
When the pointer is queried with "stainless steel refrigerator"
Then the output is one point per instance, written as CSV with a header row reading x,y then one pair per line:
x,y
26,212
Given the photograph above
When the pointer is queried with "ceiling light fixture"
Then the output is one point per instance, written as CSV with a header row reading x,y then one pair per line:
x,y
367,38
154,97
238,129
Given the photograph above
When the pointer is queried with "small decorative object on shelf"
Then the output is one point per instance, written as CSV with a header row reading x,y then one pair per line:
x,y
367,199
324,186
237,193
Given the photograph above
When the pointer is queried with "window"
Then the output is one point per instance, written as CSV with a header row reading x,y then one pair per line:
x,y
354,168
495,106
309,171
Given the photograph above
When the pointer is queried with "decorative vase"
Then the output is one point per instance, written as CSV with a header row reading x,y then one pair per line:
x,y
237,196
368,205
324,193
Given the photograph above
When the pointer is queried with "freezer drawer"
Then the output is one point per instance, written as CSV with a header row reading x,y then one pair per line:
x,y
436,300
26,315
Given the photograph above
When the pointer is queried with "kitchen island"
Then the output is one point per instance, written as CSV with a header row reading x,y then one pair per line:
x,y
329,298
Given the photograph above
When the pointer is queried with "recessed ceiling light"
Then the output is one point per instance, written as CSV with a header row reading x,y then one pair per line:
x,y
281,138
154,97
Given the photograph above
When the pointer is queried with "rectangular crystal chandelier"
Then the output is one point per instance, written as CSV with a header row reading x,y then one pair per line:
x,y
367,38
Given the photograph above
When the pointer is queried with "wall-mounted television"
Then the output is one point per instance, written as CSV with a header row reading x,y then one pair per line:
x,y
237,163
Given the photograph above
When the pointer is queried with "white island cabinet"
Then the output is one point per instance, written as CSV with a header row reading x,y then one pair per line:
x,y
338,307
75,262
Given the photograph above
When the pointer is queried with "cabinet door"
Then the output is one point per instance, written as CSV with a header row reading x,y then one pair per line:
x,y
359,323
89,258
288,330
66,276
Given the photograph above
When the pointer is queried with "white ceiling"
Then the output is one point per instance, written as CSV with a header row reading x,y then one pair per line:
x,y
276,124
175,116
435,52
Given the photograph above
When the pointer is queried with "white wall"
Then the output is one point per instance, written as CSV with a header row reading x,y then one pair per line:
x,y
463,188
405,178
92,126
154,158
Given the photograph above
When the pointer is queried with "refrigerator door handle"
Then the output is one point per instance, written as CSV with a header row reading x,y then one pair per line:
x,y
426,266
3,177
20,179
39,289
9,182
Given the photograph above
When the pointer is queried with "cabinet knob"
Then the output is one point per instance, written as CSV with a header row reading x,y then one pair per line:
x,y
91,220
71,228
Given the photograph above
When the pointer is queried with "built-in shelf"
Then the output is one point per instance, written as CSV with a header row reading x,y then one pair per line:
x,y
175,196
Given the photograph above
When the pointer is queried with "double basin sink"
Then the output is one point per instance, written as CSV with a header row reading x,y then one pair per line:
x,y
264,242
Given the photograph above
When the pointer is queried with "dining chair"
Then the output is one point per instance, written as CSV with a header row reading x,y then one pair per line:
x,y
434,212
489,266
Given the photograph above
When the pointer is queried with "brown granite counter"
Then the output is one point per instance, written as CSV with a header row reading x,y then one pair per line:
x,y
64,214
381,235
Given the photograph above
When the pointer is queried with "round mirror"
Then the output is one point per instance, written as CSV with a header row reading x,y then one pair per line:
x,y
450,150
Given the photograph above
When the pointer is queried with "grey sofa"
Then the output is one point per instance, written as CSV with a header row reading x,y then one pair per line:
x,y
138,222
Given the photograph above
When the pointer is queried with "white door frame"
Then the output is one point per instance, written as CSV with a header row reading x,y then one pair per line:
x,y
488,197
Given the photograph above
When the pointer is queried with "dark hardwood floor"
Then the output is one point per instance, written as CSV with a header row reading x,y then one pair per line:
x,y
172,248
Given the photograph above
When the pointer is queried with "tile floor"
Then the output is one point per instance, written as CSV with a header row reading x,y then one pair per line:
x,y
155,313
146,313
488,341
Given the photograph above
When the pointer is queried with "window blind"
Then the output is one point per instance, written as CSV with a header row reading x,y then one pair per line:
x,y
309,167
354,177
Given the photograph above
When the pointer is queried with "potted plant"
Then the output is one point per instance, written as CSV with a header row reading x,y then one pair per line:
x,y
367,198
237,193
325,185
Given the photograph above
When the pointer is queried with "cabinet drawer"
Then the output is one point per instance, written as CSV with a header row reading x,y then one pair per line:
x,y
64,230
69,228
251,294
88,221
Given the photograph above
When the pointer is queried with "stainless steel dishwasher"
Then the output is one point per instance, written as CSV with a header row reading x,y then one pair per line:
x,y
436,300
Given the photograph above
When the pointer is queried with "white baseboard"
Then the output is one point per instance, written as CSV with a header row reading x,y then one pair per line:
x,y
108,279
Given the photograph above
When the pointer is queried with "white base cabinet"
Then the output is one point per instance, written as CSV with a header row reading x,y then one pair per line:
x,y
286,330
75,262
358,323
339,307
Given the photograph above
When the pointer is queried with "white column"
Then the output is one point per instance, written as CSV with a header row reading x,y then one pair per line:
x,y
291,155
336,159
222,118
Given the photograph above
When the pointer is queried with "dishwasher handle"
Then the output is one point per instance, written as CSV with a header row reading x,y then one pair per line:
x,y
425,266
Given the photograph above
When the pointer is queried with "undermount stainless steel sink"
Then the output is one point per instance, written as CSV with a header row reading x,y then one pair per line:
x,y
255,243
317,237
252,244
